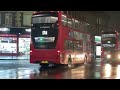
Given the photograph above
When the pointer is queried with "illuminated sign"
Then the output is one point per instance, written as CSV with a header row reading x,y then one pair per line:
x,y
28,30
44,39
98,50
44,26
4,29
44,33
97,38
108,45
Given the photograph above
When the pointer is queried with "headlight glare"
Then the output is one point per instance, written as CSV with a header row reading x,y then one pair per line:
x,y
119,56
108,56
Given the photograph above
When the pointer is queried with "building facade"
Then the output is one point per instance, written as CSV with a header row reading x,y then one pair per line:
x,y
96,21
14,30
15,18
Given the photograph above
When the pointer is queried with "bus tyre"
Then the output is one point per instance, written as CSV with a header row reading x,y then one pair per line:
x,y
85,59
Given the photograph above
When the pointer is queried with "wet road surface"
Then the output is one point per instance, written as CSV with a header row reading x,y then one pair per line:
x,y
22,69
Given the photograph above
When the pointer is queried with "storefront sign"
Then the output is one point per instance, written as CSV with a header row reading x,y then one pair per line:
x,y
24,36
8,35
4,29
28,30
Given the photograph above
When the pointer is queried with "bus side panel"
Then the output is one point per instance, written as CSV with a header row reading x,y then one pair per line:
x,y
63,36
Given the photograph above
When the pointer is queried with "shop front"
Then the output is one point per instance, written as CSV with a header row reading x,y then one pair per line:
x,y
14,43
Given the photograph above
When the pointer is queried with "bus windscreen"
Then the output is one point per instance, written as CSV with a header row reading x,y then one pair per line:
x,y
44,31
108,40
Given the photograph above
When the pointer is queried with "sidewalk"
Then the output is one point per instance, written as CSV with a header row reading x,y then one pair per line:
x,y
24,57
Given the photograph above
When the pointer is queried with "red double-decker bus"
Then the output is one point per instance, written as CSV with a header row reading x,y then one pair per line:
x,y
110,41
57,38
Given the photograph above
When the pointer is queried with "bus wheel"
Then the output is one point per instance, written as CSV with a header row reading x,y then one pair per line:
x,y
85,59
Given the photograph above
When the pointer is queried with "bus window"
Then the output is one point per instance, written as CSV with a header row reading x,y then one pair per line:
x,y
69,22
44,32
73,23
76,24
78,46
80,26
71,34
88,46
45,18
68,45
109,40
64,20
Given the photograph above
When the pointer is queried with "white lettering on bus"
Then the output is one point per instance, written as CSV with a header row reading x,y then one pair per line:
x,y
44,33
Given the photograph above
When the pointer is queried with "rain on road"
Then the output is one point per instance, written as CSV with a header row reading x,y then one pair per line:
x,y
22,69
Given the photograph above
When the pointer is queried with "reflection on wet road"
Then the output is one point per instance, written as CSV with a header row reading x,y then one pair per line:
x,y
110,72
61,73
22,69
16,69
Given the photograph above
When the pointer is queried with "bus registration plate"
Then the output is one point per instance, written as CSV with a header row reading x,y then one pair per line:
x,y
44,62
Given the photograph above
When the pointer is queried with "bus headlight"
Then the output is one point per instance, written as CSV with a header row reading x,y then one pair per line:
x,y
108,56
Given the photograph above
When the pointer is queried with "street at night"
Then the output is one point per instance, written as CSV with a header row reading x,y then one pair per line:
x,y
22,69
59,45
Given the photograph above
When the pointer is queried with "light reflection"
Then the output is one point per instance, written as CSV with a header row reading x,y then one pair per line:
x,y
78,73
107,70
44,73
118,72
20,73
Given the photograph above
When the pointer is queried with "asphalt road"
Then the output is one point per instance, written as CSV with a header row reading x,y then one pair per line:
x,y
22,69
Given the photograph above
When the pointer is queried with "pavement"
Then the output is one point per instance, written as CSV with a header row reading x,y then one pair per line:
x,y
26,57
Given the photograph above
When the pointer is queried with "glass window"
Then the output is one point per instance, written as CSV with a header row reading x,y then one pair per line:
x,y
49,19
0,19
81,26
64,20
75,34
25,46
69,21
44,38
68,45
8,44
71,34
8,19
26,19
88,46
73,23
80,35
78,45
76,24
45,18
109,40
